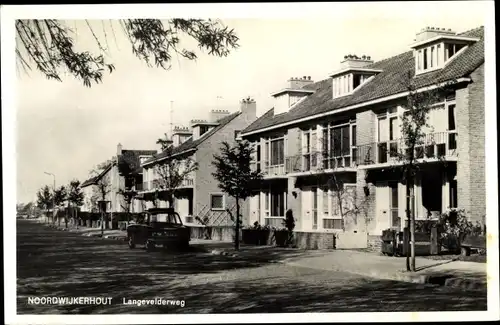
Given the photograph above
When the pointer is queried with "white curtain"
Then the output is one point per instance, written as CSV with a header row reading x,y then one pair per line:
x,y
383,129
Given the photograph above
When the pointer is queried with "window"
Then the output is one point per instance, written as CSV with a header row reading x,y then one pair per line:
x,y
425,59
337,144
451,117
277,153
388,134
257,154
453,194
432,57
326,208
438,55
203,129
217,202
237,134
452,49
356,81
277,204
314,192
419,60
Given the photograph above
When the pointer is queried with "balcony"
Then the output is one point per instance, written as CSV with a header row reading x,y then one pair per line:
x,y
156,184
433,146
269,171
320,161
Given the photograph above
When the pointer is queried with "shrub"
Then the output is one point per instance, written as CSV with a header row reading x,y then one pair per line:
x,y
289,222
425,225
453,225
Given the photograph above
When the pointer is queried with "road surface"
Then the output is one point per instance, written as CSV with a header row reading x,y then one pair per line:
x,y
54,263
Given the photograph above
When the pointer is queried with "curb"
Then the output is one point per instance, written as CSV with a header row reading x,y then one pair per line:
x,y
444,280
223,253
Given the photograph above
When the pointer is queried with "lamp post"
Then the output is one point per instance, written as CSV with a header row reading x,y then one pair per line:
x,y
53,197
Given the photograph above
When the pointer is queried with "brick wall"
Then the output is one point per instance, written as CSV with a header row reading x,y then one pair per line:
x,y
375,243
471,154
366,203
314,240
204,181
366,123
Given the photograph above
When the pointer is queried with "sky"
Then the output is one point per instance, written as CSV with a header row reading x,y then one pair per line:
x,y
66,129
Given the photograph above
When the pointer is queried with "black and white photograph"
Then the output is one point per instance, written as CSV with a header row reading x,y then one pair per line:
x,y
249,162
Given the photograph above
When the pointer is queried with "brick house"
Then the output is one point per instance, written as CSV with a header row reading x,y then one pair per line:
x,y
341,129
199,194
123,172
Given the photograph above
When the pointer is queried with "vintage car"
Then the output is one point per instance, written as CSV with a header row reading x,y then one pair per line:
x,y
161,227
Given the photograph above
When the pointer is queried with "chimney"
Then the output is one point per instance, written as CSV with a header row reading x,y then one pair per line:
x,y
298,83
248,106
354,61
119,148
430,32
217,114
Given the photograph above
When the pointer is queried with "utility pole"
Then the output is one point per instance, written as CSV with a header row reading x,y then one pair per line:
x,y
53,196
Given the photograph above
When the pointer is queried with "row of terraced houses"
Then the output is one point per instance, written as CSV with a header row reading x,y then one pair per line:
x,y
343,128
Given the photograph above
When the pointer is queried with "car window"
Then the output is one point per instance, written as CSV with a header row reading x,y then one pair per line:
x,y
164,217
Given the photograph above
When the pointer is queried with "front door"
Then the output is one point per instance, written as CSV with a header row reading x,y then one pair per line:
x,y
254,208
307,209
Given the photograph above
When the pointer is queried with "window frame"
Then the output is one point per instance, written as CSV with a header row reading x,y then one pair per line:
x,y
328,151
223,201
268,148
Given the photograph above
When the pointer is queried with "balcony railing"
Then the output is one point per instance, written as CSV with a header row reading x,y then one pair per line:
x,y
155,184
433,145
320,160
268,170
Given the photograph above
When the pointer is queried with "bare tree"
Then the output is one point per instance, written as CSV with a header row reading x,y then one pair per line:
x,y
128,197
102,189
414,124
49,44
173,172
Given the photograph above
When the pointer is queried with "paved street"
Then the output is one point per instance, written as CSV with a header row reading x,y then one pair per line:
x,y
58,263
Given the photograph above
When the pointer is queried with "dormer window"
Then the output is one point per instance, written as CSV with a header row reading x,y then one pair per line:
x,y
352,75
201,127
436,47
292,94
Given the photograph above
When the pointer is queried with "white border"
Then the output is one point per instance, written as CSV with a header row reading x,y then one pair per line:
x,y
268,10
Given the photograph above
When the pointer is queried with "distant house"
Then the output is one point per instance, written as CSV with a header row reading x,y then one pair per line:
x,y
200,195
122,173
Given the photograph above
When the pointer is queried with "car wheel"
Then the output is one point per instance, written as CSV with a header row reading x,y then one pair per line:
x,y
150,246
131,242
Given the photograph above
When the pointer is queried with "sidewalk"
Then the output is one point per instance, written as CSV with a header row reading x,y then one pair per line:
x,y
93,232
466,275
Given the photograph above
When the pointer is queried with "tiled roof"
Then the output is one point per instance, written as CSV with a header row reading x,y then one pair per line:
x,y
193,144
390,81
93,180
89,181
